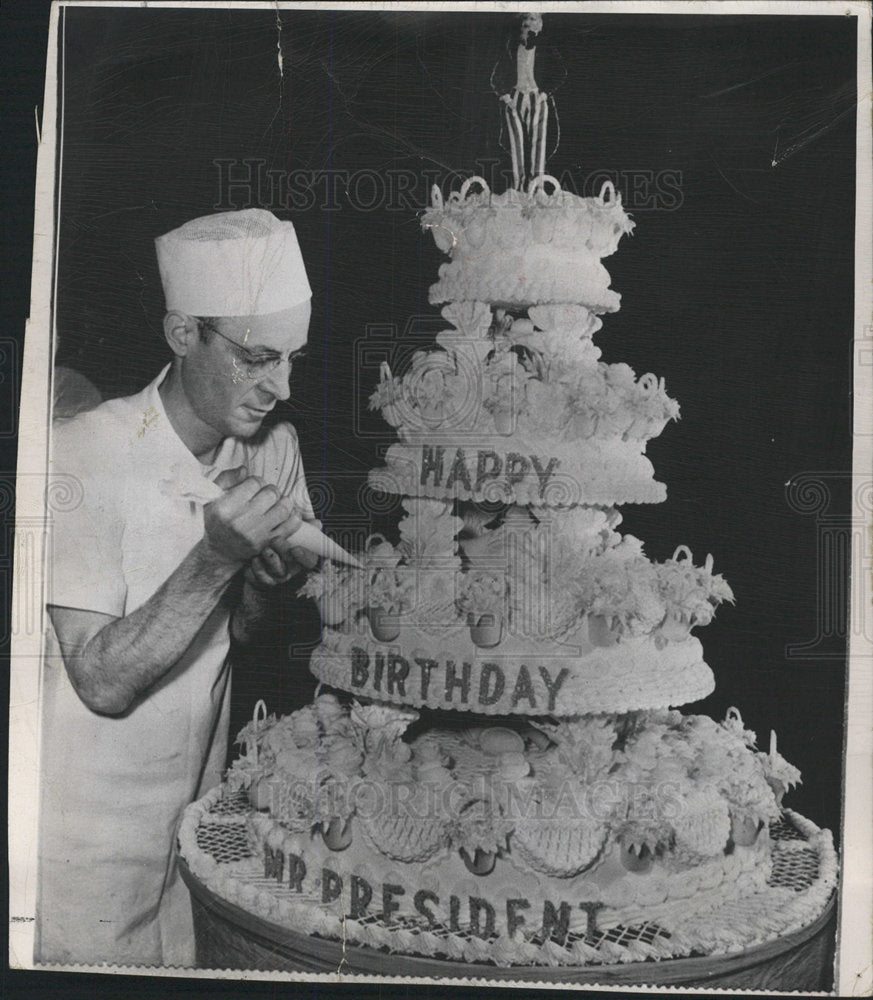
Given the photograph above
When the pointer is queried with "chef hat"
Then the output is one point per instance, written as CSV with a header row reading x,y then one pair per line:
x,y
244,263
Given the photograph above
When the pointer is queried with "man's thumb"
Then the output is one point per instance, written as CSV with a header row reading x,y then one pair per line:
x,y
231,477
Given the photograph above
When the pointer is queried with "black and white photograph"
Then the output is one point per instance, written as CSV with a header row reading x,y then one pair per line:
x,y
444,497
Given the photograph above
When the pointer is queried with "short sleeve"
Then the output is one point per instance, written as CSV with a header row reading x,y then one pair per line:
x,y
278,462
85,568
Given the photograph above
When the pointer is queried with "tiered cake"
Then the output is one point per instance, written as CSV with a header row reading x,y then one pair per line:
x,y
506,777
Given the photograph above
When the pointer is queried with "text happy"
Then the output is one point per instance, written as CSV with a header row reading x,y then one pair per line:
x,y
473,473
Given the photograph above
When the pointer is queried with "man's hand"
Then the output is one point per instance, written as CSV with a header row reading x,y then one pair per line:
x,y
113,661
249,518
279,562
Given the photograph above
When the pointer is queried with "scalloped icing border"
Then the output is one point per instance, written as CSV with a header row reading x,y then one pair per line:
x,y
790,912
666,900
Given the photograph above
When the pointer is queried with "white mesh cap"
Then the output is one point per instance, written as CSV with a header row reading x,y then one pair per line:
x,y
244,263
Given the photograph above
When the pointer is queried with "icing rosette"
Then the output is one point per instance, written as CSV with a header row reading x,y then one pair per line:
x,y
432,772
273,739
302,762
691,593
337,590
427,534
482,593
545,410
304,727
343,758
479,826
391,590
331,714
567,319
624,591
428,750
512,767
585,745
381,724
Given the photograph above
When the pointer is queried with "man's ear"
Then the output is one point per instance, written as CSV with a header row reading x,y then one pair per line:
x,y
180,332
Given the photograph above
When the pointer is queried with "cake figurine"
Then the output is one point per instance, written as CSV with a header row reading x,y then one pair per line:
x,y
495,768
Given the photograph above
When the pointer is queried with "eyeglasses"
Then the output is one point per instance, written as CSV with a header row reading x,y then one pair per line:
x,y
254,366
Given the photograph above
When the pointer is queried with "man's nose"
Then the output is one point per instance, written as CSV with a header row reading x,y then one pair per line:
x,y
277,381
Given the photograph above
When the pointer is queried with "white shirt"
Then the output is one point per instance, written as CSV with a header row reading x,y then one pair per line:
x,y
136,522
113,787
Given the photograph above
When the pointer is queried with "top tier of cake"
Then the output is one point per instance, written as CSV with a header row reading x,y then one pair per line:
x,y
539,246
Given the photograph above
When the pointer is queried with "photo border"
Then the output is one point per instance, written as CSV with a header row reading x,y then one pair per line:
x,y
32,489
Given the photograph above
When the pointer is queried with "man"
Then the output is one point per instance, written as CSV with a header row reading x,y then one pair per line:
x,y
183,492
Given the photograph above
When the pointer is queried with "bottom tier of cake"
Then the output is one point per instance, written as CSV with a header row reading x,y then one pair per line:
x,y
727,906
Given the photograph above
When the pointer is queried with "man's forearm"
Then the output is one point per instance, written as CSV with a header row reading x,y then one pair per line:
x,y
125,658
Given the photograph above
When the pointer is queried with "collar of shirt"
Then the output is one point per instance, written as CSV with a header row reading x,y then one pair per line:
x,y
181,474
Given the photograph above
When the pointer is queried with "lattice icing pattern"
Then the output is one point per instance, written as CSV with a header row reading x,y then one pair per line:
x,y
442,814
403,837
795,889
563,848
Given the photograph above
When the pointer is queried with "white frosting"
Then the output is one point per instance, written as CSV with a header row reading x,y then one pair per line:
x,y
627,897
520,247
724,906
533,274
554,429
597,473
538,677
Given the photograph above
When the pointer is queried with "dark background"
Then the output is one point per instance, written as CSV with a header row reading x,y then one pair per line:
x,y
740,294
737,284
